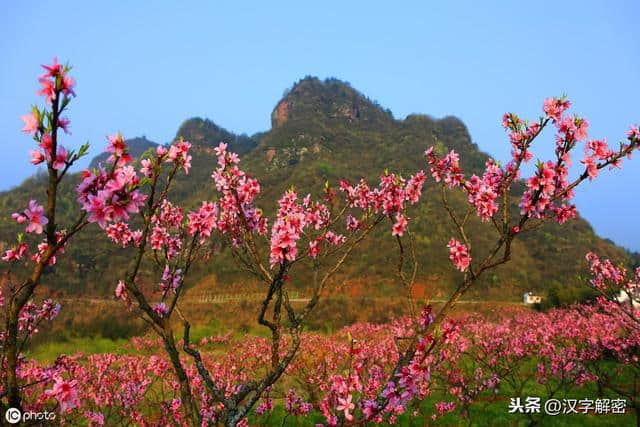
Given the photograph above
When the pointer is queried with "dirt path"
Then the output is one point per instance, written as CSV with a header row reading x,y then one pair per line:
x,y
231,299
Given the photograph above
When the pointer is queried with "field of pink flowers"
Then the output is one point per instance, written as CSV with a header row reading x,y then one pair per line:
x,y
584,353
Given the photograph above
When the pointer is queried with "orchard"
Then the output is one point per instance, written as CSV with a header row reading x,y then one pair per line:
x,y
431,367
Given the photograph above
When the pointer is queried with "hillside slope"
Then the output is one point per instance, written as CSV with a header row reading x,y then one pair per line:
x,y
325,130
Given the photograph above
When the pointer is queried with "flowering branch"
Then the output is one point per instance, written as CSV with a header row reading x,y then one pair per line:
x,y
43,125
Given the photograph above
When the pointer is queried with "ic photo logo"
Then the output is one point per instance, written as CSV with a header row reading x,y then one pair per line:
x,y
13,415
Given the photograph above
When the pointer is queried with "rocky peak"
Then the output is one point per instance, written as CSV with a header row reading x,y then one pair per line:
x,y
330,99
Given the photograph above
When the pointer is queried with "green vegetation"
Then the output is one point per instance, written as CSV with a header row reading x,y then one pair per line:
x,y
324,130
49,351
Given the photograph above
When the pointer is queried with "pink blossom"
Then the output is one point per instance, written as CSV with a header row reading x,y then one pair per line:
x,y
118,149
146,167
555,107
334,239
119,232
413,190
95,418
399,226
19,218
65,393
161,151
346,405
160,309
294,404
287,229
60,160
121,291
64,123
352,223
67,85
53,70
179,152
459,255
15,253
31,123
36,157
446,169
110,196
35,214
483,192
47,90
46,143
204,221
97,210
564,213
572,128
42,248
170,281
314,248
599,149
221,149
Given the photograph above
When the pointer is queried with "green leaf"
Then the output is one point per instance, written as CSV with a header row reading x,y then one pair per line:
x,y
65,102
84,149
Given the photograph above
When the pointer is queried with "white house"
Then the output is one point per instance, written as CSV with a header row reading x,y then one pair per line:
x,y
624,297
530,298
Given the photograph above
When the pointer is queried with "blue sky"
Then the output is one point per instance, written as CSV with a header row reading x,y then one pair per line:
x,y
144,67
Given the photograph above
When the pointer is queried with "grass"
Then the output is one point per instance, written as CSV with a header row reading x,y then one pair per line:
x,y
49,351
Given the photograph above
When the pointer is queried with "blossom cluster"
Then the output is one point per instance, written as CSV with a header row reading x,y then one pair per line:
x,y
34,216
43,124
120,233
238,192
619,298
614,282
548,191
294,404
291,220
204,221
459,255
166,227
55,82
111,195
31,315
170,280
389,198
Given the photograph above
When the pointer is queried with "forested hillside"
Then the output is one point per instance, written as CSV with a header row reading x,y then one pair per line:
x,y
323,131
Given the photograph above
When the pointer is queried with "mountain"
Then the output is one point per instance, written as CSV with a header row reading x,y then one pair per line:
x,y
324,130
203,134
